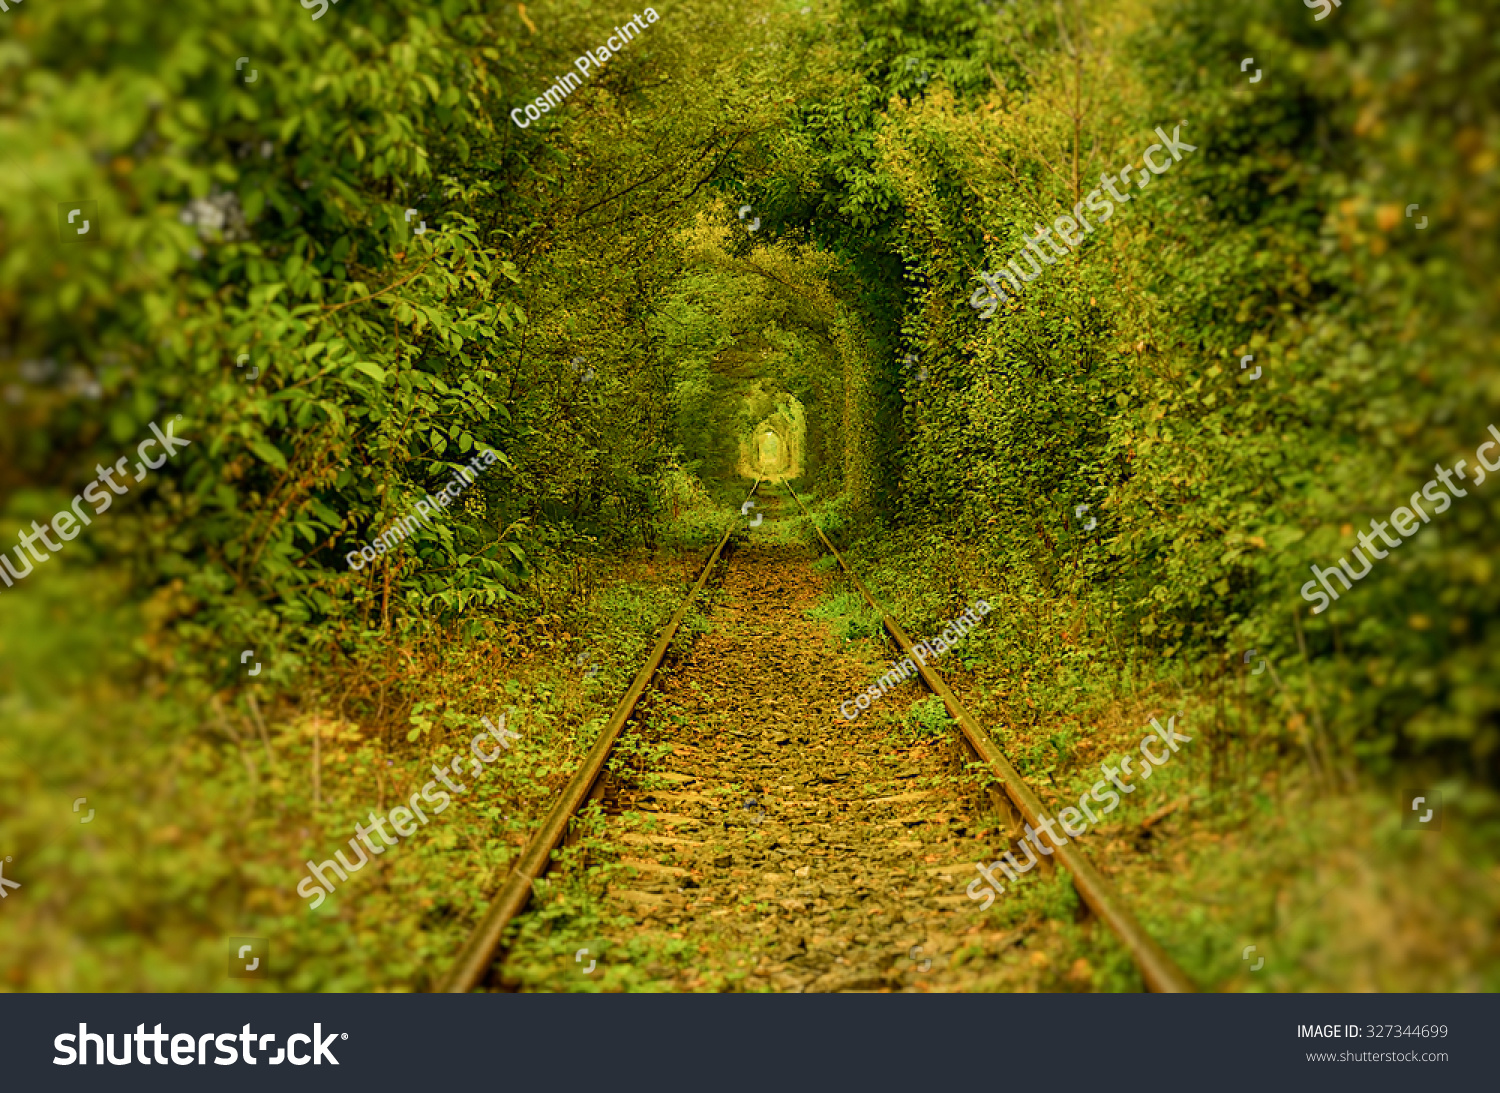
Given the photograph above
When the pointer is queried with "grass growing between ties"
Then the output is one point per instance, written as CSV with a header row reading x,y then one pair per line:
x,y
850,616
928,717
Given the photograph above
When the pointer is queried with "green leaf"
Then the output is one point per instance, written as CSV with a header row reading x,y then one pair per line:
x,y
269,453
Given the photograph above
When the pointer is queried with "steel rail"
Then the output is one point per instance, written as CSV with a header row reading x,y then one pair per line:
x,y
478,953
1159,970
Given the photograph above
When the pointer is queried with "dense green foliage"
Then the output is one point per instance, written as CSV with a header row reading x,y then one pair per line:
x,y
1112,381
586,303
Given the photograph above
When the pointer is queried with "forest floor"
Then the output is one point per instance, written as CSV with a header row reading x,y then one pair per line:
x,y
771,844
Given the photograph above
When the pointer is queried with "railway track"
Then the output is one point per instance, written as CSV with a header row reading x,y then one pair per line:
x,y
788,848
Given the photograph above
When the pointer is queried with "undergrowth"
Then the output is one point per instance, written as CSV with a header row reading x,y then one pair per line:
x,y
1248,830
